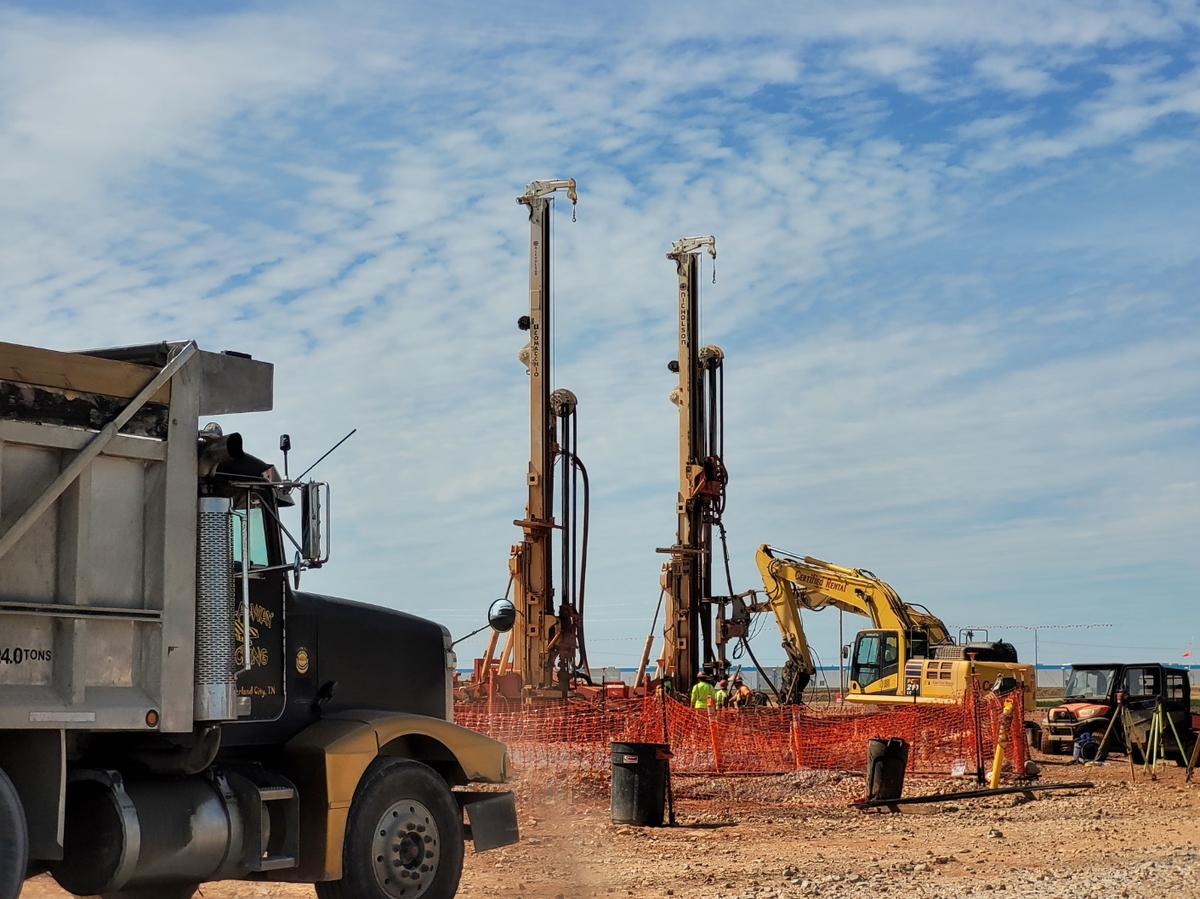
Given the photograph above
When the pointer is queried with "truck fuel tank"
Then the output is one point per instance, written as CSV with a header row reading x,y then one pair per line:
x,y
122,835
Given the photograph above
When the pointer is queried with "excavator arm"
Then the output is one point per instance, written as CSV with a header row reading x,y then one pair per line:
x,y
793,583
813,584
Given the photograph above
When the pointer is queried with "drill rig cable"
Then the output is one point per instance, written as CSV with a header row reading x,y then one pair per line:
x,y
721,431
817,664
571,544
573,567
725,551
745,644
761,673
714,405
579,544
575,543
565,582
583,554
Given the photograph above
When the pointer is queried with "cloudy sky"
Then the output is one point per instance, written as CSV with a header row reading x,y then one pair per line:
x,y
956,287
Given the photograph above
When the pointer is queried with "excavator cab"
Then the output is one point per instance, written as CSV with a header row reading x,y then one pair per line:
x,y
876,662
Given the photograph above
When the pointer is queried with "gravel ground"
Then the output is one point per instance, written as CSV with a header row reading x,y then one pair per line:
x,y
794,836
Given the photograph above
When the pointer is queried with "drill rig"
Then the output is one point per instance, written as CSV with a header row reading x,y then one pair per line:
x,y
547,645
687,575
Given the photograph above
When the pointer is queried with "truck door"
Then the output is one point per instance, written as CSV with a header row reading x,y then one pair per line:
x,y
1177,696
1144,686
263,683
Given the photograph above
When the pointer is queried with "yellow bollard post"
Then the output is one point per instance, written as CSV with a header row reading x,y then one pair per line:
x,y
796,738
998,761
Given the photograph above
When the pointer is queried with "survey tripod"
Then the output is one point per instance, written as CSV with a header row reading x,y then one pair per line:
x,y
1153,748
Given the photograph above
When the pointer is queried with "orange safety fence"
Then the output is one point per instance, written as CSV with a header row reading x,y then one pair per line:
x,y
567,742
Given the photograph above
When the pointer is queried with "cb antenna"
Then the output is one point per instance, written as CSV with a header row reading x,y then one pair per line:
x,y
327,452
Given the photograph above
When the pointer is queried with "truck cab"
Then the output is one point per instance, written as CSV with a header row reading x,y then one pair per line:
x,y
174,709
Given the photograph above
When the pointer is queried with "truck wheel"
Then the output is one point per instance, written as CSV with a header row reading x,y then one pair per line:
x,y
1049,746
404,839
14,840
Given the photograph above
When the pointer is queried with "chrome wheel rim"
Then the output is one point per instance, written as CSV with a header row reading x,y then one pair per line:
x,y
406,850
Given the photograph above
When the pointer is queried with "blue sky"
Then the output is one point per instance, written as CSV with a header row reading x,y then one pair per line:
x,y
956,283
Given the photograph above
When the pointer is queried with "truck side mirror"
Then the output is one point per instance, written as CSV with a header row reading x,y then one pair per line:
x,y
846,651
502,615
314,509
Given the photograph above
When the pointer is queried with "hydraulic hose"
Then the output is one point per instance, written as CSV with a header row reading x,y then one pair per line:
x,y
583,555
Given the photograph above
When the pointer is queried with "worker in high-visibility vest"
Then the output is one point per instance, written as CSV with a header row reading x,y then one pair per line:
x,y
702,691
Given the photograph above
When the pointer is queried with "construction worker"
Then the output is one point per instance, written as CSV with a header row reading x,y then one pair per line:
x,y
740,694
722,693
702,691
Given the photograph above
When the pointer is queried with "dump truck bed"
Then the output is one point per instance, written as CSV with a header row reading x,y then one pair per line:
x,y
97,591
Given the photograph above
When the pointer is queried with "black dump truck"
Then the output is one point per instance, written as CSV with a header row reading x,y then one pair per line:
x,y
1091,700
173,708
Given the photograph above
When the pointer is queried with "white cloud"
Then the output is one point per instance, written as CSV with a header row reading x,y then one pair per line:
x,y
338,198
1016,74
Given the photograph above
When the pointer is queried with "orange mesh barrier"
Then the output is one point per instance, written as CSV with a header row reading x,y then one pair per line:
x,y
567,743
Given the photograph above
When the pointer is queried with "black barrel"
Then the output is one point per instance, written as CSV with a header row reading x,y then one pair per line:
x,y
887,757
639,783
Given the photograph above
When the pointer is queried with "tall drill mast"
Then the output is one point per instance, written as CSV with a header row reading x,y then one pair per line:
x,y
546,637
687,576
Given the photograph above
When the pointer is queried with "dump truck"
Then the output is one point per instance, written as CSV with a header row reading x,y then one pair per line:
x,y
174,709
1091,698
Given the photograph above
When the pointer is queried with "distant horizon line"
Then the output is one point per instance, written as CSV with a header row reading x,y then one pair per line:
x,y
1043,666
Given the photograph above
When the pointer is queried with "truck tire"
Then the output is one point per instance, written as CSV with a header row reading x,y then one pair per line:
x,y
1049,746
404,839
14,840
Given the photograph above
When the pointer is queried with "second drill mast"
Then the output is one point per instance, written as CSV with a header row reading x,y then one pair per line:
x,y
687,576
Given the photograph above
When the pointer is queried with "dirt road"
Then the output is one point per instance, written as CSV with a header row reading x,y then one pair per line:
x,y
793,836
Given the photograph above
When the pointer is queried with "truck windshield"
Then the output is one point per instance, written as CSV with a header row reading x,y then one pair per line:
x,y
1089,683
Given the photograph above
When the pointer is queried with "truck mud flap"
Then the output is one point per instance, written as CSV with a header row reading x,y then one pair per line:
x,y
492,818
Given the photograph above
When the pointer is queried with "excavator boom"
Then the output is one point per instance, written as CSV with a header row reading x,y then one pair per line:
x,y
816,585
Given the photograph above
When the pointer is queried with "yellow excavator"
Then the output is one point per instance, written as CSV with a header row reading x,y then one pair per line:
x,y
907,656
